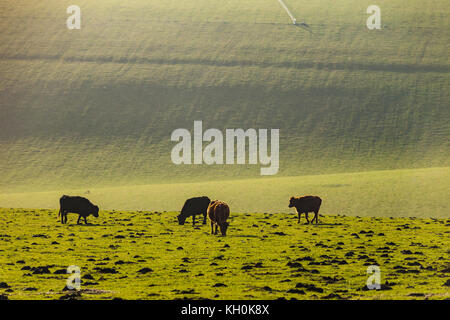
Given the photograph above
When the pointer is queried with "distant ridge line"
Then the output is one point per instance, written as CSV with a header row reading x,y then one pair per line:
x,y
400,68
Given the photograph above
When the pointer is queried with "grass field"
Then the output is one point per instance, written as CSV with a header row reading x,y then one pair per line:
x,y
147,255
363,119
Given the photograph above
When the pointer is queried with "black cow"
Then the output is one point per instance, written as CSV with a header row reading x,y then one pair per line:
x,y
193,206
306,204
76,204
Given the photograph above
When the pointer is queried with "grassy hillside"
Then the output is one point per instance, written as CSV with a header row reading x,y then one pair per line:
x,y
394,193
95,107
146,255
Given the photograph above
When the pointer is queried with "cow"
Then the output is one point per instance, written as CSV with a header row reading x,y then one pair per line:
x,y
76,204
193,206
218,213
306,204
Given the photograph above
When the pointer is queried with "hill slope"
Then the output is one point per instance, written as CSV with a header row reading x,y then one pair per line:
x,y
96,106
389,193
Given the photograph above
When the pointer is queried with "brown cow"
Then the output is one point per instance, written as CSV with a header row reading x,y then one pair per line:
x,y
306,204
218,213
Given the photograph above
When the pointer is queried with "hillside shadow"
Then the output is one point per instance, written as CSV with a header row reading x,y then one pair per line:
x,y
304,27
388,67
337,185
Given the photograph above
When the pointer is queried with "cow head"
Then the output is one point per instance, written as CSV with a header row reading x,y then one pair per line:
x,y
181,219
223,228
291,202
95,211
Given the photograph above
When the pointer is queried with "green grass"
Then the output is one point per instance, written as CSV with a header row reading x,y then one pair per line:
x,y
96,107
393,193
363,118
412,254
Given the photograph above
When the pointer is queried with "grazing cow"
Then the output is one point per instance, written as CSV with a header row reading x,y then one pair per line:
x,y
306,204
218,213
193,206
79,205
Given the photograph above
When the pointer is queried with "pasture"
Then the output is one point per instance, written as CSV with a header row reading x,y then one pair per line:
x,y
147,255
389,193
363,119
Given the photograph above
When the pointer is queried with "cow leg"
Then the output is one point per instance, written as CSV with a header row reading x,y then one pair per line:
x,y
216,229
193,219
65,217
306,215
79,217
299,214
316,216
85,220
212,227
62,217
204,219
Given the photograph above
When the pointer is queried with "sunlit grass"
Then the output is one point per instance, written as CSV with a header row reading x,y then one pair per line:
x,y
263,256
